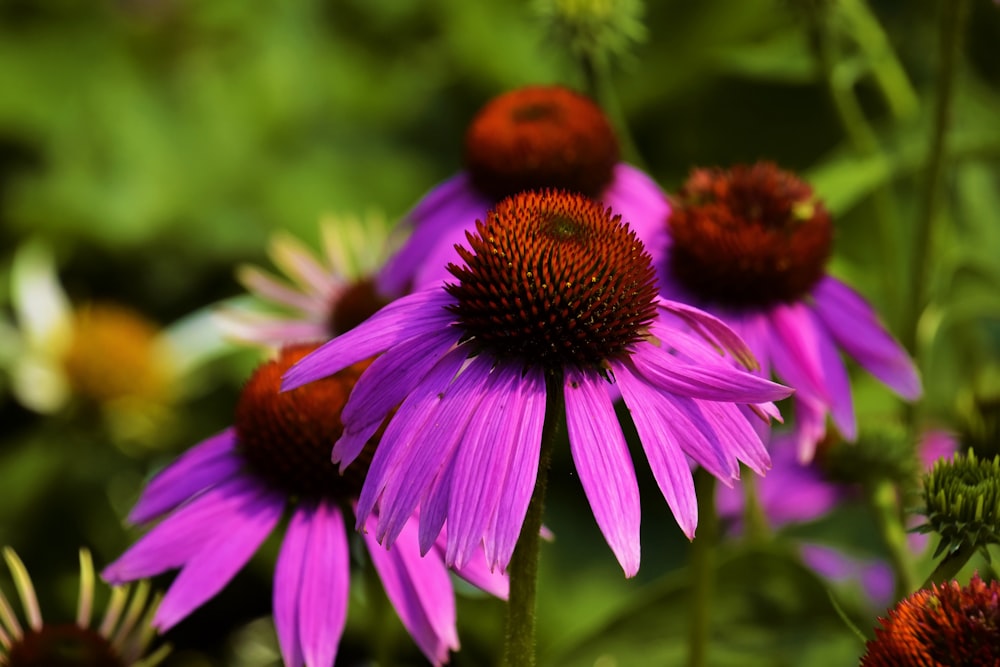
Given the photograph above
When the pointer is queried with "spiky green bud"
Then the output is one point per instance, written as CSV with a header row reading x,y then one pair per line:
x,y
599,30
885,454
962,502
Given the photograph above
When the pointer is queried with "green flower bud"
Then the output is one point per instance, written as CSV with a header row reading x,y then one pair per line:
x,y
599,30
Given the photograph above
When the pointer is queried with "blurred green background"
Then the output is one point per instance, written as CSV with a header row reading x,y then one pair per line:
x,y
153,145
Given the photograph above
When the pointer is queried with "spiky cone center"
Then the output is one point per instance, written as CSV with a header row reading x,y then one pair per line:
x,y
286,438
944,626
540,137
748,237
553,279
355,305
114,354
63,645
962,502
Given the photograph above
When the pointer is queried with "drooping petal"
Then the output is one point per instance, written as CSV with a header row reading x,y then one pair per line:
x,y
263,329
603,463
477,571
481,465
323,596
640,201
420,590
439,222
410,317
856,328
178,538
712,329
383,386
434,506
431,446
522,471
663,451
809,426
737,433
220,557
300,264
837,383
716,382
796,353
288,585
274,289
206,464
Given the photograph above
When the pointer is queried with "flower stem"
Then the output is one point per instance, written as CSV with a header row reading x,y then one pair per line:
x,y
950,565
882,498
754,519
702,569
519,637
952,27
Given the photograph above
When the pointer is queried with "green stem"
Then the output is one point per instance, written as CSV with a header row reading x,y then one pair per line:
x,y
883,499
703,569
952,27
598,86
950,565
754,518
519,636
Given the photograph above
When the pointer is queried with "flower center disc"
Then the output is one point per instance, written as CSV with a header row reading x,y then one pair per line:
x,y
748,237
62,645
355,305
286,437
553,279
540,137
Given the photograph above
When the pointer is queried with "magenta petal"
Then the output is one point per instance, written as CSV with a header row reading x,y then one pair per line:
x,y
326,575
420,590
713,330
666,460
410,317
718,382
288,586
404,429
736,433
181,536
603,463
373,397
434,505
522,471
796,352
856,328
481,464
439,221
640,201
477,571
206,464
221,557
837,383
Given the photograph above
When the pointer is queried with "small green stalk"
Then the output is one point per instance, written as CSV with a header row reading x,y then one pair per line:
x,y
519,636
703,570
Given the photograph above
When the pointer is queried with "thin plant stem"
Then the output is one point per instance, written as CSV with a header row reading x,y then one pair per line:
x,y
519,635
702,570
952,28
754,518
950,565
883,499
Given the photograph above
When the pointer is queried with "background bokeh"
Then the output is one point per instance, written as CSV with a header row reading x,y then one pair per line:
x,y
153,145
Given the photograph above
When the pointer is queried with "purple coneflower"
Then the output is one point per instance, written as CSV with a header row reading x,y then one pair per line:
x,y
327,295
531,138
223,497
750,245
555,298
122,638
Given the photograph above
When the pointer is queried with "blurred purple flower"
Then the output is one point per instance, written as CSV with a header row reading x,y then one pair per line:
x,y
222,498
531,138
750,245
555,295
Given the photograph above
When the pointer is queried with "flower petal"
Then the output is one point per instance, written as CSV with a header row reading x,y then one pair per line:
x,y
713,330
837,383
856,328
288,585
420,590
715,382
640,202
383,386
796,351
410,317
326,575
659,441
208,463
481,465
439,222
220,557
179,537
605,468
522,471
